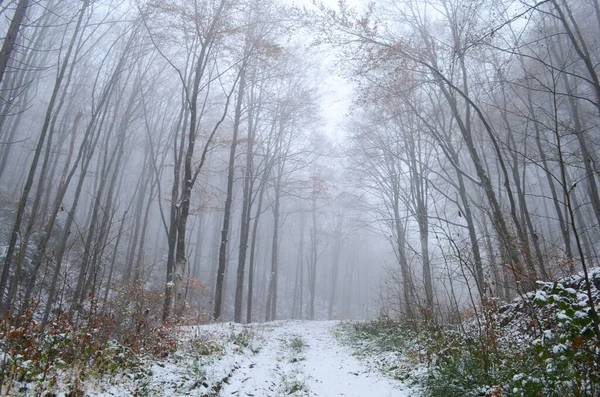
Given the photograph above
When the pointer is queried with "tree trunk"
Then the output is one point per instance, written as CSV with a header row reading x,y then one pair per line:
x,y
337,248
11,36
227,213
271,307
251,261
312,263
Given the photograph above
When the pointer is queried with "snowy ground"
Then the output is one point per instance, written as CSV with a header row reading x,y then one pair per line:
x,y
303,358
290,358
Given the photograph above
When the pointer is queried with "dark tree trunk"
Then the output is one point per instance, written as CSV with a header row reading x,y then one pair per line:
x,y
227,213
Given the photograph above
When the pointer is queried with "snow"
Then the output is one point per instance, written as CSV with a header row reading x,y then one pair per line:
x,y
282,358
326,368
541,296
4,357
562,316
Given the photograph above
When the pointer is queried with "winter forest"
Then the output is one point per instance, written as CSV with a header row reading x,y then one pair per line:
x,y
420,163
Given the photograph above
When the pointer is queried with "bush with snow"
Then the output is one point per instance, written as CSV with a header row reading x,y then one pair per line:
x,y
541,344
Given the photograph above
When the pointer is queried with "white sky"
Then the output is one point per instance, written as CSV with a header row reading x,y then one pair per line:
x,y
336,90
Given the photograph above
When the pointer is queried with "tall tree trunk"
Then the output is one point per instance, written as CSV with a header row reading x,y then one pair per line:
x,y
139,261
180,208
113,261
299,285
314,256
271,307
245,218
407,285
135,237
174,213
227,213
337,248
419,186
251,260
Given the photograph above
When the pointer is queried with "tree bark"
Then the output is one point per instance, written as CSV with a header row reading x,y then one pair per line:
x,y
227,213
11,36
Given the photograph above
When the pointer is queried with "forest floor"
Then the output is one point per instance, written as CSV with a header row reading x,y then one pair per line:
x,y
283,358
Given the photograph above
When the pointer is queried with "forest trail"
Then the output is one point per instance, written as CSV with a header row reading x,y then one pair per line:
x,y
303,358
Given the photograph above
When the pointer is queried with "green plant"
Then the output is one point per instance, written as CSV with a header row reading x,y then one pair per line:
x,y
206,347
566,355
297,344
198,371
293,386
243,339
386,334
458,368
545,347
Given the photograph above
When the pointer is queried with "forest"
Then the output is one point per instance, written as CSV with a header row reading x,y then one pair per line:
x,y
169,162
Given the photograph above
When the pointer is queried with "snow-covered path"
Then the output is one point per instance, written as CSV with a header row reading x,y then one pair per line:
x,y
278,359
304,359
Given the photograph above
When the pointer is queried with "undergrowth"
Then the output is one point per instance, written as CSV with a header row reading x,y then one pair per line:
x,y
292,383
542,344
386,344
386,334
36,358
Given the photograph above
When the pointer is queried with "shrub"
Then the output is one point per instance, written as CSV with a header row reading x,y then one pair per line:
x,y
297,344
544,347
242,339
36,355
541,344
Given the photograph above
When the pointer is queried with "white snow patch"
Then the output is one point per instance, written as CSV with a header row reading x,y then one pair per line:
x,y
326,368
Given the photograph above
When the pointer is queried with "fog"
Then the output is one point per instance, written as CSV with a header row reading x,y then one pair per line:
x,y
251,161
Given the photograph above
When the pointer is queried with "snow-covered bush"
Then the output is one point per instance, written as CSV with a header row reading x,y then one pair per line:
x,y
542,344
567,350
34,357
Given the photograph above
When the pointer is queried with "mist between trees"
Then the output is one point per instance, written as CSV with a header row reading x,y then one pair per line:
x,y
168,160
